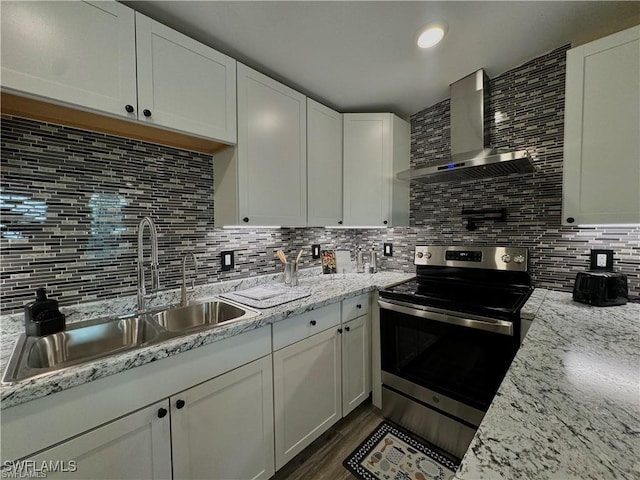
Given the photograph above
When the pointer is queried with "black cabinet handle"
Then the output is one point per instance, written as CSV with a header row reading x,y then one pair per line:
x,y
129,108
339,330
313,323
179,404
245,219
146,112
571,220
358,306
339,222
162,412
348,329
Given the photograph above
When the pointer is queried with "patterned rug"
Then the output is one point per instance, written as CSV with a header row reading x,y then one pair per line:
x,y
390,454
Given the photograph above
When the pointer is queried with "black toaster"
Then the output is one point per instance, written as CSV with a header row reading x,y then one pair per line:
x,y
601,288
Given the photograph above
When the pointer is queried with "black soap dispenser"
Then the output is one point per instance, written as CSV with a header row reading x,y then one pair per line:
x,y
43,317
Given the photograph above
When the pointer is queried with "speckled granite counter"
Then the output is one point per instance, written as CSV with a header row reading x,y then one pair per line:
x,y
325,289
569,407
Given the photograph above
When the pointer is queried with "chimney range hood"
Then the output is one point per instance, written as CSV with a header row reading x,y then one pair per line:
x,y
471,156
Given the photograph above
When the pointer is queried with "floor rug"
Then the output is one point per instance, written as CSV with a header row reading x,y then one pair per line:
x,y
391,454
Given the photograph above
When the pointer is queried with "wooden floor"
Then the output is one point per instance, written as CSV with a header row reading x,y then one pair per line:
x,y
322,460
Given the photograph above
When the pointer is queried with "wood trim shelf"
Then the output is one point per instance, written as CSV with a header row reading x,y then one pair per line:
x,y
35,109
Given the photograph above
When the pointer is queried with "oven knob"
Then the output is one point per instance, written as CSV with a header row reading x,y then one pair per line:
x,y
428,254
518,259
419,254
506,258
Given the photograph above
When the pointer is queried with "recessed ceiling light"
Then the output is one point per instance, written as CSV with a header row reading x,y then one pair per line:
x,y
431,35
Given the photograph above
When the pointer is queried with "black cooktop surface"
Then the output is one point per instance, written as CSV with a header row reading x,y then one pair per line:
x,y
503,302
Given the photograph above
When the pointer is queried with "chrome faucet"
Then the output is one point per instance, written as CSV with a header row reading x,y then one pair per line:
x,y
184,290
155,279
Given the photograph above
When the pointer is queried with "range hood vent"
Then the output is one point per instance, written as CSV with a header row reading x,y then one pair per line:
x,y
471,157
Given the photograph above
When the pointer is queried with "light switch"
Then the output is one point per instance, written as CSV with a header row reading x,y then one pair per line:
x,y
388,250
315,251
227,260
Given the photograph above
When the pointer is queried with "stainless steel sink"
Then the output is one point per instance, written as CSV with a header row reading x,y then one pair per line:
x,y
201,316
90,342
85,341
79,343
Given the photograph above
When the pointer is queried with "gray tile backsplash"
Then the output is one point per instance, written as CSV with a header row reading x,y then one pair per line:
x,y
71,201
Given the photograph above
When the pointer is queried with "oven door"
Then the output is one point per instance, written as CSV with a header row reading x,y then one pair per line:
x,y
448,361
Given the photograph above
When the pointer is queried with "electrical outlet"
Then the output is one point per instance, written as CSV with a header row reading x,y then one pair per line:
x,y
388,250
228,262
601,260
315,251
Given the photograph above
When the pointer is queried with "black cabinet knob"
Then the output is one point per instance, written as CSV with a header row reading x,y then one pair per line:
x,y
571,220
339,330
313,323
245,219
385,222
339,222
348,329
162,412
358,306
146,112
129,108
179,404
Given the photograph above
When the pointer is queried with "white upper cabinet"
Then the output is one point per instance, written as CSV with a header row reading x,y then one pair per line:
x,y
267,174
76,52
324,165
602,132
104,57
376,147
183,84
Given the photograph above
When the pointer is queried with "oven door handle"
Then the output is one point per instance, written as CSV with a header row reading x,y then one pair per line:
x,y
496,326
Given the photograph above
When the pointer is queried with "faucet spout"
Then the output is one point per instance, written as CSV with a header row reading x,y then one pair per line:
x,y
155,278
184,290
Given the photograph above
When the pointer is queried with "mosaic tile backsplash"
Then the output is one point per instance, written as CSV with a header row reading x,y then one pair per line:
x,y
71,201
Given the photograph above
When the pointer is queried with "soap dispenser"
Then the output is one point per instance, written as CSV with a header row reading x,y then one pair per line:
x,y
43,317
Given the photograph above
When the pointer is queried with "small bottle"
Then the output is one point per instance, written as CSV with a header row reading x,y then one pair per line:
x,y
43,317
373,262
359,261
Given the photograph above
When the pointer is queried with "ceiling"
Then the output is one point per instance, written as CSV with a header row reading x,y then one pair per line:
x,y
358,56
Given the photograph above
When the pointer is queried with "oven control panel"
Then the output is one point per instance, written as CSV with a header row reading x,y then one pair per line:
x,y
494,258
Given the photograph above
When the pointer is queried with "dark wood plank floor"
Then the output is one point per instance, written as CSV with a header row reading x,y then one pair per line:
x,y
322,460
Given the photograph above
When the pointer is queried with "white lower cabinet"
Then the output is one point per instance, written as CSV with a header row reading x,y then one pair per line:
x,y
223,428
321,377
135,446
356,363
307,392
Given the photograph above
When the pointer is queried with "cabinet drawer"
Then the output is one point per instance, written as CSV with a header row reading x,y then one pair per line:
x,y
302,326
355,306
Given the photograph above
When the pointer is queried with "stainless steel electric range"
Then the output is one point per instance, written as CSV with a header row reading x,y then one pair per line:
x,y
448,337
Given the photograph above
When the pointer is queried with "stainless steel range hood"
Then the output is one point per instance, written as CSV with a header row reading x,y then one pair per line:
x,y
471,157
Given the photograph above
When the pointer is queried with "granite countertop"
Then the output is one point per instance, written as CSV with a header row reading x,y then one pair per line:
x,y
569,407
325,289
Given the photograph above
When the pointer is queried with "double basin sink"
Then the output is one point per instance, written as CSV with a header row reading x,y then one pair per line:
x,y
85,341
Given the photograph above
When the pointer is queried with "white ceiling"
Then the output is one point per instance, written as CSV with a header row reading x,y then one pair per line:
x,y
361,56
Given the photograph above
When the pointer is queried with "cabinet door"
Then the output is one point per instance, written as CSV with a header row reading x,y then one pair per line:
x,y
307,392
272,148
356,363
602,124
135,446
367,150
82,53
324,165
183,84
224,428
